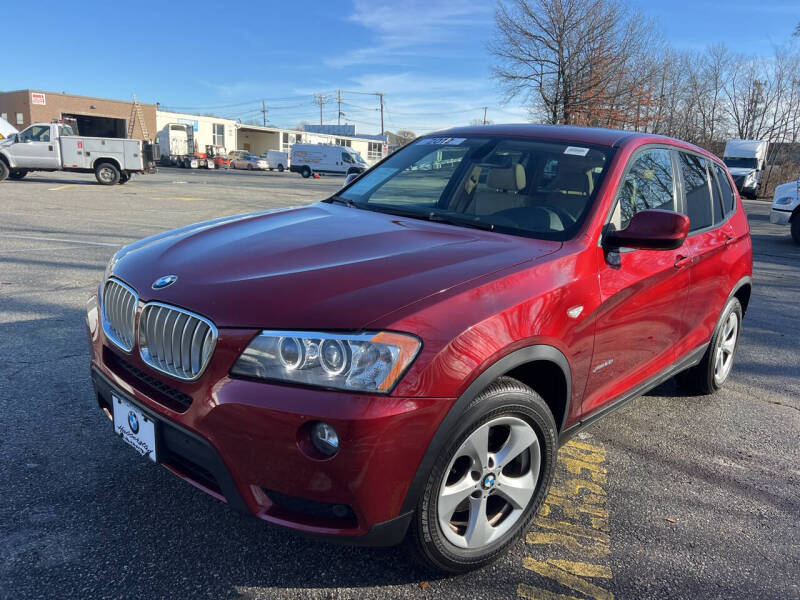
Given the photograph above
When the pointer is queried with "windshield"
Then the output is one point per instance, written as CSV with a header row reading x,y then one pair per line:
x,y
740,163
541,189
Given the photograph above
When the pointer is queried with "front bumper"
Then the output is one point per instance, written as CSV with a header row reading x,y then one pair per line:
x,y
242,441
780,217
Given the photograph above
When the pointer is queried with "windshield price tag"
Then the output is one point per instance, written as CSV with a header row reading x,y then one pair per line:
x,y
576,151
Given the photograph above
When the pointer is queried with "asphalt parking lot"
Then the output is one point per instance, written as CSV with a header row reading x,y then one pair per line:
x,y
671,497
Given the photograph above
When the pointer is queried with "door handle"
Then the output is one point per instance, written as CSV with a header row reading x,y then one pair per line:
x,y
681,261
728,240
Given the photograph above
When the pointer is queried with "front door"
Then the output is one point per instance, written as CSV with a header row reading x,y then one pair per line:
x,y
642,292
36,149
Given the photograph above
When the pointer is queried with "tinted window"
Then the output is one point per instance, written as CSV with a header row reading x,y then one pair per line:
x,y
346,157
716,195
649,183
697,190
727,193
36,133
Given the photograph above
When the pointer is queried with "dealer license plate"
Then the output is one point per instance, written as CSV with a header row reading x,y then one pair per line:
x,y
134,427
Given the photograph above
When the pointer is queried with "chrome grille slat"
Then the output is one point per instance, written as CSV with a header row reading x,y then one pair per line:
x,y
119,305
175,341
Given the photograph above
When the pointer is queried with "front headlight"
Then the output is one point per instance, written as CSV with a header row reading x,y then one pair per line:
x,y
785,201
365,362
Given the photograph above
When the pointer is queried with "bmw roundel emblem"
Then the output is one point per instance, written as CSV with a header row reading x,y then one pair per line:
x,y
488,481
133,422
165,281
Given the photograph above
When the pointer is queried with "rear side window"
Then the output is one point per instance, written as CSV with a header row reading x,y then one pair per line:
x,y
728,201
649,183
697,190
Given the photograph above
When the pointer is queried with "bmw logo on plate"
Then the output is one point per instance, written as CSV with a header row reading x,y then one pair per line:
x,y
165,281
133,422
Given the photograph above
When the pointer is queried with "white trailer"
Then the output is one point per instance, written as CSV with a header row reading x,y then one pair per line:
x,y
54,147
746,160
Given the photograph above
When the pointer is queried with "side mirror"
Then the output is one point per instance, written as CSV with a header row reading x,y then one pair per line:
x,y
351,178
651,229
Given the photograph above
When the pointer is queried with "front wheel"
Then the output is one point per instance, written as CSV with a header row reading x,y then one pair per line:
x,y
711,373
3,170
106,174
795,226
487,485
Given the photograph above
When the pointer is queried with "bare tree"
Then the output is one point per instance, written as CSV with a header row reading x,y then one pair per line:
x,y
571,60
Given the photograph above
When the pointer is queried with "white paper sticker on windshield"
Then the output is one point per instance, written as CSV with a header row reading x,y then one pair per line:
x,y
440,141
576,151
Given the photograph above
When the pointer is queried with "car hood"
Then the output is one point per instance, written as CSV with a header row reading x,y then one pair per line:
x,y
323,266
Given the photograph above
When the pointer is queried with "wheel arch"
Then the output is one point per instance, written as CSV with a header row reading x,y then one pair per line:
x,y
106,159
742,291
541,367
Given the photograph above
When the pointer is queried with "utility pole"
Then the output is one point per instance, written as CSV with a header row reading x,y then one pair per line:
x,y
485,108
380,97
264,112
320,99
339,103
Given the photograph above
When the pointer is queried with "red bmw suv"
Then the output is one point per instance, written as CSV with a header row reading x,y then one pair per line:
x,y
406,356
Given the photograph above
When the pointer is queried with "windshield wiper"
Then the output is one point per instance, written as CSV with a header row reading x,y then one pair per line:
x,y
343,201
460,222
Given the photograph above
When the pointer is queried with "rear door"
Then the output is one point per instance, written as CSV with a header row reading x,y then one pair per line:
x,y
642,292
710,231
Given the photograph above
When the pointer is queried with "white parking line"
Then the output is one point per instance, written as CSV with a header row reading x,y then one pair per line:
x,y
46,239
48,248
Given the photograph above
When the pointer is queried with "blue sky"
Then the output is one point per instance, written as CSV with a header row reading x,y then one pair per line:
x,y
428,56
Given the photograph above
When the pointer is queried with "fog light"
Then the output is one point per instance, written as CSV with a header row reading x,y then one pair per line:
x,y
325,438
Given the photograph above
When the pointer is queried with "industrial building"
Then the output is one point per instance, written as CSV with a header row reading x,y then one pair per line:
x,y
94,116
118,118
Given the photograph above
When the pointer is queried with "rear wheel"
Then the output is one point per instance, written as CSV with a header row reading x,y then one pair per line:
x,y
249,167
306,172
106,174
17,175
488,484
713,370
795,226
280,168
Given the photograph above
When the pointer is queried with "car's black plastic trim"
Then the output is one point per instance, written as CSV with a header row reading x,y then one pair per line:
x,y
179,441
443,434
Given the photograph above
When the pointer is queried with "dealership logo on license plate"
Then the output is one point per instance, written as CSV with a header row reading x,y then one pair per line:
x,y
135,428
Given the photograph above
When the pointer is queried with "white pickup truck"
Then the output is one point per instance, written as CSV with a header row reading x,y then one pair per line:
x,y
786,207
54,147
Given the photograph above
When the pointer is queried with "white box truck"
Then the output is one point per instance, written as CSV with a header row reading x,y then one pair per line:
x,y
54,147
308,159
177,147
746,160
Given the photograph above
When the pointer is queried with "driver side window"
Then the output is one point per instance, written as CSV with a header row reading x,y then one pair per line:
x,y
648,183
36,133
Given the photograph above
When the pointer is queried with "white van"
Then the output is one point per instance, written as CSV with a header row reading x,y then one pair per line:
x,y
319,158
746,160
6,129
276,160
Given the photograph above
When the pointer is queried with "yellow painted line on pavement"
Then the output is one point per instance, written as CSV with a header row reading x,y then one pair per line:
x,y
571,527
61,187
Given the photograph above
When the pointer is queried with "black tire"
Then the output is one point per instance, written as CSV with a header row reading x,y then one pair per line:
x,y
795,227
3,170
306,172
124,177
249,167
106,173
17,175
701,380
280,168
504,397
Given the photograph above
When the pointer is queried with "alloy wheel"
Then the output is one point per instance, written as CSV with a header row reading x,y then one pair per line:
x,y
726,346
489,482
